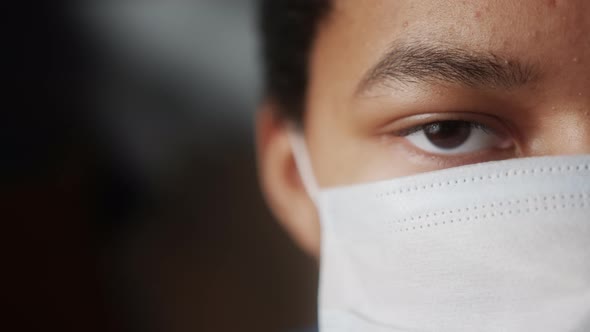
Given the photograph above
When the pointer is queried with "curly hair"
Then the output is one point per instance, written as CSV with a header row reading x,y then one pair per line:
x,y
288,29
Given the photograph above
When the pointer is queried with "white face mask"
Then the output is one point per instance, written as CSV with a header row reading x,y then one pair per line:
x,y
498,246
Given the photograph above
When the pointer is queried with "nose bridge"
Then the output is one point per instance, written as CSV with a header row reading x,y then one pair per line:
x,y
563,133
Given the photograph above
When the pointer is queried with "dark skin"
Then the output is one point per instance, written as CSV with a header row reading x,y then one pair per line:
x,y
403,87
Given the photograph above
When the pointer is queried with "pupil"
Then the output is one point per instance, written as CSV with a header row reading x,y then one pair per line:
x,y
448,134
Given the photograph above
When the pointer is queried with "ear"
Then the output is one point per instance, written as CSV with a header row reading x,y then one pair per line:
x,y
280,181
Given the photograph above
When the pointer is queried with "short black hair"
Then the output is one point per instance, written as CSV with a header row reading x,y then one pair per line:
x,y
288,29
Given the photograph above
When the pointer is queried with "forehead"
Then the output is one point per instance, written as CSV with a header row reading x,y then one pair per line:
x,y
503,24
552,33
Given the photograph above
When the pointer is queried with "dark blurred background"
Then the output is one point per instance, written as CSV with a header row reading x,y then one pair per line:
x,y
128,187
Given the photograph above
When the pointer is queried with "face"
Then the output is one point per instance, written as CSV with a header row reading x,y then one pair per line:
x,y
403,87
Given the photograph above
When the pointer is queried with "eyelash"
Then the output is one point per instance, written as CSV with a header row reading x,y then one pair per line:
x,y
415,129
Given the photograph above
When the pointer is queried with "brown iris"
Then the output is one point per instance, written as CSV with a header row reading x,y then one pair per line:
x,y
448,134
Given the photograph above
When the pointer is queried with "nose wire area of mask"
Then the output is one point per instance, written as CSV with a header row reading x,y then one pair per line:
x,y
498,246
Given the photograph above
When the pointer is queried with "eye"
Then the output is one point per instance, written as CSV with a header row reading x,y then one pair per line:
x,y
453,137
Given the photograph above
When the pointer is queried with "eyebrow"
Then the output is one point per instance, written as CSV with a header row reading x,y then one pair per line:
x,y
424,63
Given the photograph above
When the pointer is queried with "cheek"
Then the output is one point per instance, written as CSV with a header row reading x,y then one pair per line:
x,y
342,156
379,159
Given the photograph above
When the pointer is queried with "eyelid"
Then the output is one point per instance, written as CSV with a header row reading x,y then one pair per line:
x,y
415,129
405,126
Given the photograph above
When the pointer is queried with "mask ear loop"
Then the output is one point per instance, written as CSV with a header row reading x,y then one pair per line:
x,y
303,162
